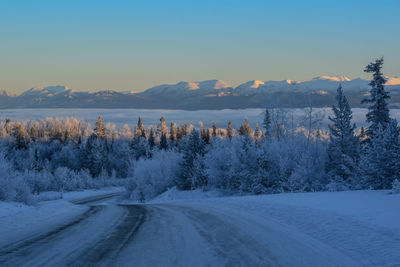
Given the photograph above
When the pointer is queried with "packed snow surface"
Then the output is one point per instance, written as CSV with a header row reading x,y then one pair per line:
x,y
196,228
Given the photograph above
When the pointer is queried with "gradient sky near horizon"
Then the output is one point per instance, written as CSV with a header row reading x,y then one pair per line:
x,y
134,45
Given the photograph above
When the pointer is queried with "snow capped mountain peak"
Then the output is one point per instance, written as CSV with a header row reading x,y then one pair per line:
x,y
256,83
193,85
186,87
213,84
46,90
333,78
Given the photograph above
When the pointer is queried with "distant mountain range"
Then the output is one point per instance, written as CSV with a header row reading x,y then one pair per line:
x,y
211,94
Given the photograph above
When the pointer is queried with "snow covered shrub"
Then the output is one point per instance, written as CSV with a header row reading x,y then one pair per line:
x,y
38,181
337,185
153,176
220,161
23,192
396,187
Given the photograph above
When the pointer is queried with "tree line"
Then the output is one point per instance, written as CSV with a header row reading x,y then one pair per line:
x,y
68,154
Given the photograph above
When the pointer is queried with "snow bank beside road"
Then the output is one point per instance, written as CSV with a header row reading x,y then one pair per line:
x,y
18,220
377,207
363,225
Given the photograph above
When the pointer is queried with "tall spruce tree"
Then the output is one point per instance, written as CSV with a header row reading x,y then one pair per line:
x,y
381,158
151,138
194,149
378,111
162,127
214,129
94,155
229,131
172,132
163,142
343,147
99,130
140,128
267,123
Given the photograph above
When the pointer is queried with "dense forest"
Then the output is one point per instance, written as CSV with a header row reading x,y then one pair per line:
x,y
68,154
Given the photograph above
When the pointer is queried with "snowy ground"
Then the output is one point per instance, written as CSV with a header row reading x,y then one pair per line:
x,y
201,229
18,220
152,117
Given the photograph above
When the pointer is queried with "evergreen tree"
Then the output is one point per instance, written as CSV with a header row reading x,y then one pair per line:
x,y
140,128
214,129
257,132
194,148
378,111
172,133
162,127
381,158
163,142
247,127
229,130
267,123
36,165
343,147
151,138
242,130
94,155
99,130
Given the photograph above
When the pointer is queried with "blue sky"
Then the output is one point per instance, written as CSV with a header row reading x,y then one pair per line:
x,y
133,45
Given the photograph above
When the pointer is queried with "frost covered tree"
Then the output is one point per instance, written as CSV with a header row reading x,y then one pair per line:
x,y
214,129
343,147
194,149
172,132
163,142
378,111
94,155
140,128
380,160
99,129
245,128
162,127
151,138
230,131
267,123
257,133
19,136
311,120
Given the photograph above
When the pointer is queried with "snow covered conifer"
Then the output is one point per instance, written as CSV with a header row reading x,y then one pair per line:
x,y
163,142
229,130
381,159
140,128
214,129
242,130
343,146
257,132
162,127
378,111
267,123
99,129
195,148
172,132
247,126
94,155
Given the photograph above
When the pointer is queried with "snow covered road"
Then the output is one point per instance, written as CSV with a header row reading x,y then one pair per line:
x,y
238,231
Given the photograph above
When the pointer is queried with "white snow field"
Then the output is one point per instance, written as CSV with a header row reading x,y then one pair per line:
x,y
358,228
